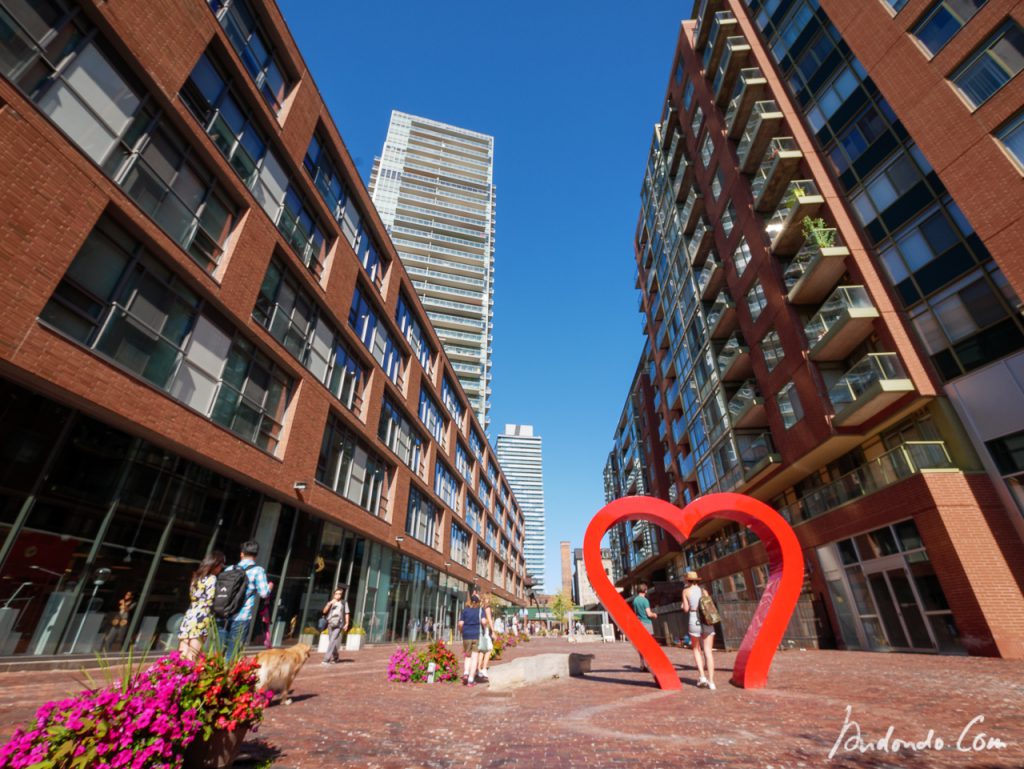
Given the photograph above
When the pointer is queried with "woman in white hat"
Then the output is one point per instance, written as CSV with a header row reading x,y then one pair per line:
x,y
702,637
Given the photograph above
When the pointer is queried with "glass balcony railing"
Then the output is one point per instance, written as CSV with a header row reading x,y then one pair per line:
x,y
737,49
705,17
722,23
708,275
672,394
748,76
678,429
717,314
756,450
731,351
836,309
750,133
785,227
694,202
696,241
871,369
895,465
811,249
782,156
744,399
688,467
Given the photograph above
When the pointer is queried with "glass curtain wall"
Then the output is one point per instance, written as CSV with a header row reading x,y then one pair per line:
x,y
91,516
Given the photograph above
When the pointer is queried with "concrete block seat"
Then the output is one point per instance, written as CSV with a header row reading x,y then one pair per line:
x,y
537,668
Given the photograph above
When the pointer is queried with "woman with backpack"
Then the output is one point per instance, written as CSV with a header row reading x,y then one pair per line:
x,y
702,614
199,617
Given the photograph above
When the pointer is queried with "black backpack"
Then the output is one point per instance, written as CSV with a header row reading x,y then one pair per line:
x,y
229,595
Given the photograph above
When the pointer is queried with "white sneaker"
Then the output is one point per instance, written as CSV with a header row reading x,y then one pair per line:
x,y
702,683
711,685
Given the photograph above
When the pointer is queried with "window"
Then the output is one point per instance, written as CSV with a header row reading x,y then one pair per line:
x,y
449,395
741,256
431,417
728,219
789,405
492,534
884,187
772,350
835,93
476,444
254,48
923,242
993,66
398,434
716,184
943,21
679,72
896,5
302,231
462,462
756,301
290,315
484,492
474,515
698,116
460,545
446,485
422,517
348,467
483,561
688,95
363,319
858,137
1012,137
121,302
791,28
412,330
707,148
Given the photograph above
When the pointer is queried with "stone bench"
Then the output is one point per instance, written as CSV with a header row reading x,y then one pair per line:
x,y
537,668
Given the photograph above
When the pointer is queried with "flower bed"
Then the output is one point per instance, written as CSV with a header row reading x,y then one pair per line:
x,y
409,664
144,721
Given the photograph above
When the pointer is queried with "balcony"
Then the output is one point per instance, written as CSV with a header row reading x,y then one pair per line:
x,y
667,366
698,245
816,268
875,381
710,278
895,465
746,407
692,209
723,26
764,123
734,360
750,87
662,338
757,455
683,180
777,169
785,228
704,16
737,52
844,321
721,317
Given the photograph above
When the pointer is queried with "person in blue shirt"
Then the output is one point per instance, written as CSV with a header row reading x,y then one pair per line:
x,y
234,631
642,608
469,626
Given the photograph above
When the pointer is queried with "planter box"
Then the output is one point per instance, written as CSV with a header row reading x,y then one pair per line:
x,y
322,643
218,752
354,642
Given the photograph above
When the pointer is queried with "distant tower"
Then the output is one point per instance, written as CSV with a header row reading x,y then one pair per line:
x,y
567,583
432,185
519,453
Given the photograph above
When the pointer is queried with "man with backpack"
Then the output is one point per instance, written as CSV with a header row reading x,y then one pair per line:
x,y
234,604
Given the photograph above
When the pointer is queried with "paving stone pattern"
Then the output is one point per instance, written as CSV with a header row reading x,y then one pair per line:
x,y
348,715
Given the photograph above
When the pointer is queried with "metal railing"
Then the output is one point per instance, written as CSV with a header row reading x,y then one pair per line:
x,y
835,309
897,464
872,368
746,75
761,108
776,147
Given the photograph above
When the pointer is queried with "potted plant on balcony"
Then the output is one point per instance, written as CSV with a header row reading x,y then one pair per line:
x,y
354,639
818,232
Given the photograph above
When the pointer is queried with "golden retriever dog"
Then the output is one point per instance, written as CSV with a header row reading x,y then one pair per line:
x,y
278,668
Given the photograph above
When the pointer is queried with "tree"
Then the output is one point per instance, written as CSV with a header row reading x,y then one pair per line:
x,y
561,605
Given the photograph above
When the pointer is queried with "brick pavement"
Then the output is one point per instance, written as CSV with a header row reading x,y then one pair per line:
x,y
348,715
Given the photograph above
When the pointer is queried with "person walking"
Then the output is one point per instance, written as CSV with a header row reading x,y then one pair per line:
x,y
195,627
234,630
702,637
486,645
469,626
113,639
337,614
642,609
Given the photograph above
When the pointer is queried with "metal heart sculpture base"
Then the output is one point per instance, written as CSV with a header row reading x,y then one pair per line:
x,y
785,577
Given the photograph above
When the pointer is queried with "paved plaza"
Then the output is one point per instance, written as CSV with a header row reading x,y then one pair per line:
x,y
348,715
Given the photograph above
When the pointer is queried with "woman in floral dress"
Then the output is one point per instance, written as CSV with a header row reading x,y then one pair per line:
x,y
199,617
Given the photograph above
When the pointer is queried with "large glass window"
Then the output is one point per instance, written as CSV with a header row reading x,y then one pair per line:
x,y
289,313
885,187
460,552
943,21
118,300
741,256
772,349
451,399
363,319
446,485
996,63
431,416
1012,137
398,434
463,463
756,301
789,405
412,330
254,48
349,467
422,518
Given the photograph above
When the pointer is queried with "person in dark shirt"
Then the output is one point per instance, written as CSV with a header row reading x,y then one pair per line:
x,y
469,626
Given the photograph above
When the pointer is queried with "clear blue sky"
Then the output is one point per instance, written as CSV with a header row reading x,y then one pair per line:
x,y
570,90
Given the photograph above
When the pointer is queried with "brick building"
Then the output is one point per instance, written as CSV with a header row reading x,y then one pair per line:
x,y
208,338
825,251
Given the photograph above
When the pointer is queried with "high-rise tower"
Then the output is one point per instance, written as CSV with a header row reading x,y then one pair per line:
x,y
519,452
433,187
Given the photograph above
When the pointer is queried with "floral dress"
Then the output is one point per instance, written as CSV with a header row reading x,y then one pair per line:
x,y
199,615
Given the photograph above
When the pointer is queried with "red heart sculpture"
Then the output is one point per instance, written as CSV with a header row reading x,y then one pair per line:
x,y
785,577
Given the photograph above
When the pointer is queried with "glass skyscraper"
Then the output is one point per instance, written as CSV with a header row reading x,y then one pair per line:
x,y
432,185
519,452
